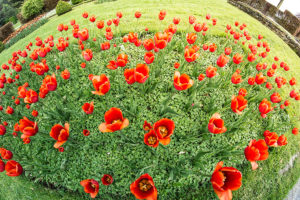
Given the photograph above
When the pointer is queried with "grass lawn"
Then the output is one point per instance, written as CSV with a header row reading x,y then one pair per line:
x,y
264,183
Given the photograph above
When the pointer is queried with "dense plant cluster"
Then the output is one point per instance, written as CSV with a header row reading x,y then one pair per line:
x,y
62,7
145,115
32,8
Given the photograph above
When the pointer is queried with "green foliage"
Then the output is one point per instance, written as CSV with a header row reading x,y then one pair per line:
x,y
2,47
63,7
6,11
76,2
32,8
25,32
13,19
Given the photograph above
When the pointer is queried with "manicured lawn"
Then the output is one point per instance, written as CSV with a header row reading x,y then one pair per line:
x,y
259,184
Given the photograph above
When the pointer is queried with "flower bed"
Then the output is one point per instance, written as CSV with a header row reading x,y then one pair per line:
x,y
144,113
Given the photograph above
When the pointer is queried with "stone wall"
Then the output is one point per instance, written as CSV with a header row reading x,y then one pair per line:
x,y
286,19
245,5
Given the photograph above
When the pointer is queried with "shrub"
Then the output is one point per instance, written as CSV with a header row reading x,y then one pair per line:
x,y
25,32
50,4
76,1
32,8
6,30
63,7
103,1
13,19
21,18
2,47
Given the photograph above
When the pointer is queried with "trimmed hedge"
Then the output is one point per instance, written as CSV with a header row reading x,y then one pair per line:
x,y
6,30
50,4
74,2
63,7
32,8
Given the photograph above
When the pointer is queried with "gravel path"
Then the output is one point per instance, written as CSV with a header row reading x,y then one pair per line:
x,y
294,194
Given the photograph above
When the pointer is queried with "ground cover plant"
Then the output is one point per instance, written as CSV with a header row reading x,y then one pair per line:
x,y
145,89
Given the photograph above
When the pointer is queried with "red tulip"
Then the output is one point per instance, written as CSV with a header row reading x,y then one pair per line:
x,y
222,60
50,82
191,38
151,139
271,138
264,107
122,60
243,92
257,150
107,179
129,76
105,45
237,58
216,124
112,65
164,128
101,84
2,166
6,154
28,128
88,108
225,180
83,34
60,134
91,187
9,110
260,78
211,71
85,15
275,97
190,54
282,140
238,104
148,44
182,82
140,74
87,54
137,14
65,74
149,57
13,168
192,19
295,131
176,20
227,51
161,40
147,126
34,113
31,96
144,188
114,121
212,47
162,14
236,78
2,130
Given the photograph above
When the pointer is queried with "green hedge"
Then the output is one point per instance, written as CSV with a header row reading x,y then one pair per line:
x,y
63,7
32,8
76,2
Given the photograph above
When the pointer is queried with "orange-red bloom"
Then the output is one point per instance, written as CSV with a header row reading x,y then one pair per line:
x,y
28,128
161,40
182,82
147,126
151,139
237,58
164,128
114,121
88,108
191,38
148,44
190,54
90,186
275,97
265,107
222,60
122,60
101,84
144,188
107,179
271,138
13,168
31,96
238,104
257,150
83,34
225,180
149,57
60,134
216,124
282,140
139,74
260,78
87,54
65,74
6,154
211,71
50,82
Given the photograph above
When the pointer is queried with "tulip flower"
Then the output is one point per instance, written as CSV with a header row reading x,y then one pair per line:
x,y
101,84
91,187
216,124
60,134
114,121
107,179
144,188
257,150
13,168
182,82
